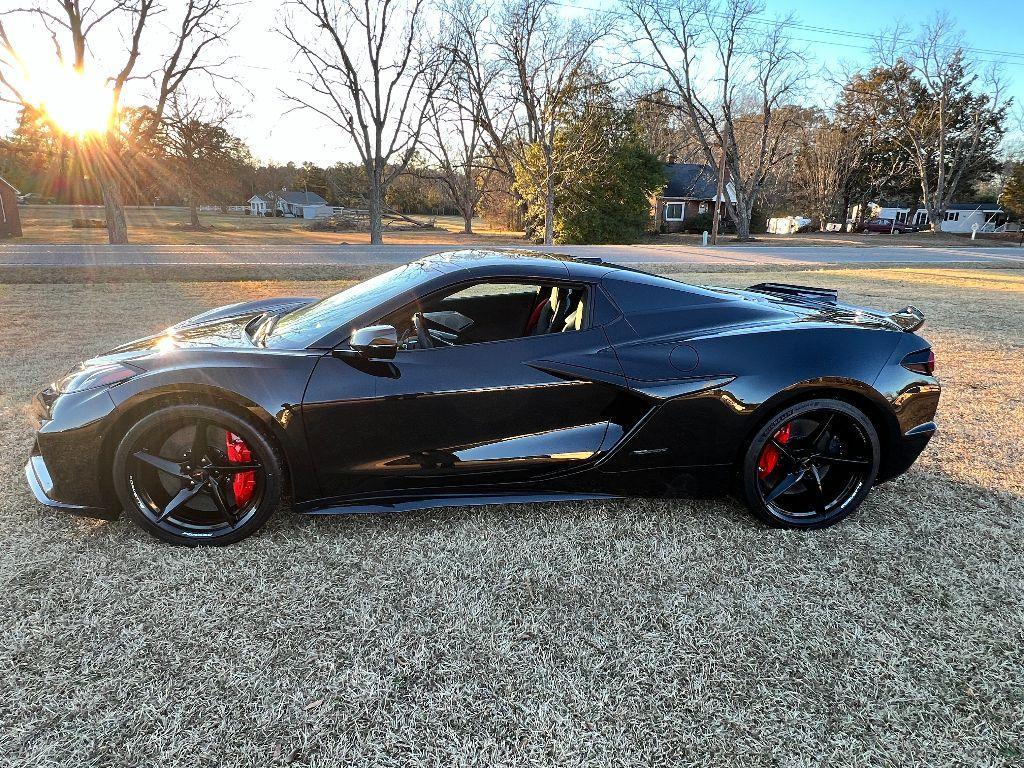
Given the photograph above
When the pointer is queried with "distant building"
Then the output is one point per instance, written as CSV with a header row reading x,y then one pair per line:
x,y
303,205
10,218
690,191
959,217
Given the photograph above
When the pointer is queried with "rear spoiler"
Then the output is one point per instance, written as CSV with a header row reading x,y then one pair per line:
x,y
909,318
829,295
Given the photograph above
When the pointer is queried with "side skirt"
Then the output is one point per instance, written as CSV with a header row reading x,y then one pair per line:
x,y
408,504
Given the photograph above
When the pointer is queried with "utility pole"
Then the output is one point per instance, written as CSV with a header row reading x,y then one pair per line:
x,y
719,196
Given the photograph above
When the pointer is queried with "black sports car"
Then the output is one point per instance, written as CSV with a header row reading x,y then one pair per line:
x,y
478,377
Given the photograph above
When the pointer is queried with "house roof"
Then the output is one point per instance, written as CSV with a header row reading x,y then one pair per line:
x,y
974,207
692,181
987,207
299,197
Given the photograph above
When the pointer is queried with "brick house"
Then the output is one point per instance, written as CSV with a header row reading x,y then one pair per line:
x,y
690,191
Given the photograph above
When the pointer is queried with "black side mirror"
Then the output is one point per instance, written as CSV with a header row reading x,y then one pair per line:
x,y
376,342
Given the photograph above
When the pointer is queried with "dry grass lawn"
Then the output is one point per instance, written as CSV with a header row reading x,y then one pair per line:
x,y
170,226
607,634
854,239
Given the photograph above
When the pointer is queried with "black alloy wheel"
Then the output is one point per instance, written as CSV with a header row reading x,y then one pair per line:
x,y
810,466
197,475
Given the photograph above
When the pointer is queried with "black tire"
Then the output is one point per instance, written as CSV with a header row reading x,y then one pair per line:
x,y
204,517
813,481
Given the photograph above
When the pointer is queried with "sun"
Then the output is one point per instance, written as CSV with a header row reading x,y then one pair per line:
x,y
78,104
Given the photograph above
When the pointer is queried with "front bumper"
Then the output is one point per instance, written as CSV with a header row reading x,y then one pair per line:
x,y
41,484
66,467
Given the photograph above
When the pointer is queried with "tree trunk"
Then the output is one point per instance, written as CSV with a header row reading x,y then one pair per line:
x,y
117,225
467,218
935,216
376,208
193,213
549,210
742,217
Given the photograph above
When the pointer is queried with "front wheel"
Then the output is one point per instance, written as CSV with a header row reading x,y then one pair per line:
x,y
197,475
811,465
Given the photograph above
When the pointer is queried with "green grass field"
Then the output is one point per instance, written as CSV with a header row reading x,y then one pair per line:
x,y
633,632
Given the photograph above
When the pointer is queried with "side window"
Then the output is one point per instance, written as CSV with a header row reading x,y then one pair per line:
x,y
491,311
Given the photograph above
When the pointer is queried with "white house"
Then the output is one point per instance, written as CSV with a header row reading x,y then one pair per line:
x,y
960,217
301,204
257,206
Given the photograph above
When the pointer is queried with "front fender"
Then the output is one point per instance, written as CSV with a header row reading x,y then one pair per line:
x,y
269,392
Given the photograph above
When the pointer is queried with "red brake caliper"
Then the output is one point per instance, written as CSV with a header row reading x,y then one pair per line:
x,y
770,455
244,483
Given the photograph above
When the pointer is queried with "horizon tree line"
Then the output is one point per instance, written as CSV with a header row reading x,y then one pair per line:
x,y
543,119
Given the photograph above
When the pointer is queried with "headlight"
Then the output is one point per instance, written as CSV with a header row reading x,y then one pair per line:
x,y
85,376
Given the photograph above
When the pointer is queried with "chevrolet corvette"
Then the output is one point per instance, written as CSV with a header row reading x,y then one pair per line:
x,y
479,377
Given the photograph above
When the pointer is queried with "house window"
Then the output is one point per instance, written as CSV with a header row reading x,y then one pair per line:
x,y
901,216
674,211
702,208
952,215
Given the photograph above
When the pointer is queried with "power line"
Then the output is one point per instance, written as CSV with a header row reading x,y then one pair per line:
x,y
827,31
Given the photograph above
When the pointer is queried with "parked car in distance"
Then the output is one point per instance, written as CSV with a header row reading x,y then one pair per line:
x,y
888,227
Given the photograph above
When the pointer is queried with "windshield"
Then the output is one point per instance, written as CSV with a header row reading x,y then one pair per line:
x,y
304,326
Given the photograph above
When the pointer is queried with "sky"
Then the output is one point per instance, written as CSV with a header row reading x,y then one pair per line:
x,y
831,33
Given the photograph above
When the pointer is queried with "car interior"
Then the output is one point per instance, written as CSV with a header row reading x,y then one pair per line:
x,y
493,311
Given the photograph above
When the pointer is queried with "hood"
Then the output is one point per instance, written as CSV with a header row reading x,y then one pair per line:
x,y
249,309
224,327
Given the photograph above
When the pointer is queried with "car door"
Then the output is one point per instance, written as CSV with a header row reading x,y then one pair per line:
x,y
475,414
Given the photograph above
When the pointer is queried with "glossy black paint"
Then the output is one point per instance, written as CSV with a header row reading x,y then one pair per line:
x,y
664,382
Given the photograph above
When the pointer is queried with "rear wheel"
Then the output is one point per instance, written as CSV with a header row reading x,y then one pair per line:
x,y
811,465
197,475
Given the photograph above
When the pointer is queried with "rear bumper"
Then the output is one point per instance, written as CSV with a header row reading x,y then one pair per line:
x,y
41,484
905,452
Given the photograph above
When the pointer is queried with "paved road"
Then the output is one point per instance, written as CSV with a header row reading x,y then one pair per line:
x,y
265,255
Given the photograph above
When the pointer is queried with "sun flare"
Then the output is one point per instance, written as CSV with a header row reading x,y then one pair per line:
x,y
78,104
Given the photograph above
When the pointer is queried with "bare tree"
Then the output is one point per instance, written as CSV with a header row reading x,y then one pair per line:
x,y
470,40
368,70
949,114
661,122
546,62
828,153
733,76
196,151
453,140
187,39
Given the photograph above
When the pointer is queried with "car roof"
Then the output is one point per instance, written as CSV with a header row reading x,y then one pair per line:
x,y
525,263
